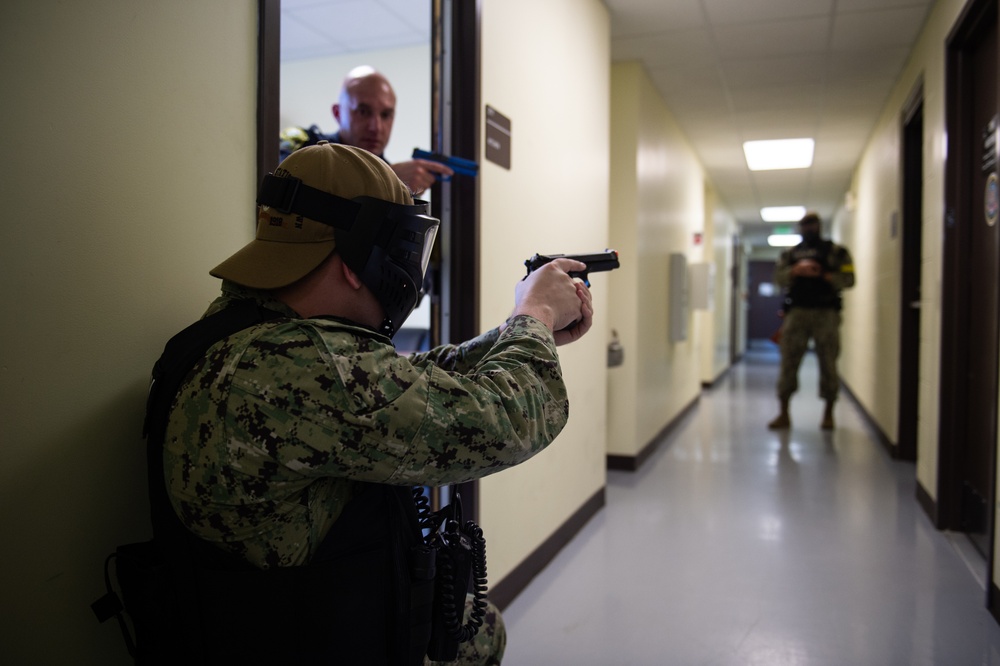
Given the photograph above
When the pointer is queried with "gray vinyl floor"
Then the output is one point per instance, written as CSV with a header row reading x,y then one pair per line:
x,y
738,546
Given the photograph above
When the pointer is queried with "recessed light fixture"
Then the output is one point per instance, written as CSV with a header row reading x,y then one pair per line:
x,y
784,240
779,154
782,213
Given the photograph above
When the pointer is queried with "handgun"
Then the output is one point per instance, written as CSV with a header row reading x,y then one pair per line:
x,y
457,164
596,262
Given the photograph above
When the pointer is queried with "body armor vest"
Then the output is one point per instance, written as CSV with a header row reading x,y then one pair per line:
x,y
812,292
366,596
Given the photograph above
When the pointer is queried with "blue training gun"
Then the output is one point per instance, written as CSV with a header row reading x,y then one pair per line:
x,y
597,262
456,164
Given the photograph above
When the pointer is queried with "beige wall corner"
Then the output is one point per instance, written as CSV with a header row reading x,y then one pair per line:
x,y
545,67
658,204
130,168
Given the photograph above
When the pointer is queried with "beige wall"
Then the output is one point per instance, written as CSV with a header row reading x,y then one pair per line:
x,y
657,203
554,199
713,325
870,363
128,172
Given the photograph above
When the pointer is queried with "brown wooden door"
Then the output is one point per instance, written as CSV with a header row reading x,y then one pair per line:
x,y
972,273
976,465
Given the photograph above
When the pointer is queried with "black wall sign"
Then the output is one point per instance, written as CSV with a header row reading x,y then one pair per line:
x,y
497,137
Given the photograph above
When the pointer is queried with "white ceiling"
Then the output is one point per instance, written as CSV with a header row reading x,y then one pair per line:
x,y
729,70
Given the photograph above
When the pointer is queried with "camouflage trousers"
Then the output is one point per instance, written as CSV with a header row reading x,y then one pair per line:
x,y
487,647
822,325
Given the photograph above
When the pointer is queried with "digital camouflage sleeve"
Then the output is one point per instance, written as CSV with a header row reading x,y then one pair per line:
x,y
277,422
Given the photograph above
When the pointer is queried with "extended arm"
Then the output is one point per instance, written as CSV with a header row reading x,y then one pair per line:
x,y
841,271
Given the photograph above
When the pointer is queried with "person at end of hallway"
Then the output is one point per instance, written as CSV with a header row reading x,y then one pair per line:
x,y
292,445
365,111
813,275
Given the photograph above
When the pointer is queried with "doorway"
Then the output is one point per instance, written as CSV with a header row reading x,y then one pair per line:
x,y
439,79
765,300
971,293
912,239
736,309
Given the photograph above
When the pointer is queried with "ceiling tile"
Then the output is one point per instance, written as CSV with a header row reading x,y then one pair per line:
x,y
676,49
723,12
682,85
866,5
638,17
414,13
752,73
776,38
805,98
889,27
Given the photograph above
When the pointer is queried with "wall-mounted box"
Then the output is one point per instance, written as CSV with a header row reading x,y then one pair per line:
x,y
702,284
677,293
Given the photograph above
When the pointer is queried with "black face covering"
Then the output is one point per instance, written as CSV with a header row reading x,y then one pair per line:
x,y
387,244
810,237
389,248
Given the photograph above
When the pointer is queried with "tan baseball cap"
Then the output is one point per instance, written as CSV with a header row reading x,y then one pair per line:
x,y
287,246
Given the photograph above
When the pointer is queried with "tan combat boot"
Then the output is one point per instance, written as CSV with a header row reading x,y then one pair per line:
x,y
827,422
782,420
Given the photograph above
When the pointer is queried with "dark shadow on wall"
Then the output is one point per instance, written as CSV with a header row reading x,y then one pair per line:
x,y
64,508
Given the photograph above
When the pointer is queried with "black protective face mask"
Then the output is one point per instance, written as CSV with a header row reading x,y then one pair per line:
x,y
388,245
810,237
390,248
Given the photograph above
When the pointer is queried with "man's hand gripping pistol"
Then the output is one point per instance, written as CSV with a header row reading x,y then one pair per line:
x,y
597,262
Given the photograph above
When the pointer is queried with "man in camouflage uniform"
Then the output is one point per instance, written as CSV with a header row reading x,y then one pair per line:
x,y
813,274
281,425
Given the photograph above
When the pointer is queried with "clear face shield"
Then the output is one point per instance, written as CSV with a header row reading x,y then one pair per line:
x,y
388,245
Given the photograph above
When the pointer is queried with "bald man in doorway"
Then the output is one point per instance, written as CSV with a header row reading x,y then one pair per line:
x,y
365,110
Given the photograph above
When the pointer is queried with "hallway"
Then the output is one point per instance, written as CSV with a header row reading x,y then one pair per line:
x,y
737,546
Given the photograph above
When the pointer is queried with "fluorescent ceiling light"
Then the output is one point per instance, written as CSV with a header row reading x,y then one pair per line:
x,y
784,240
782,213
779,154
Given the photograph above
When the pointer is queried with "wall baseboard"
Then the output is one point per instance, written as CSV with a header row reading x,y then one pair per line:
x,y
993,601
887,444
924,498
514,583
928,504
718,378
633,463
